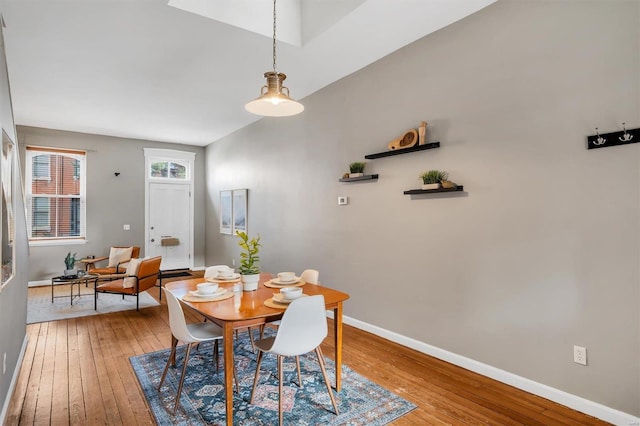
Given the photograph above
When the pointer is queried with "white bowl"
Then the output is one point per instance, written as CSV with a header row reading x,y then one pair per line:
x,y
207,288
225,273
291,293
286,276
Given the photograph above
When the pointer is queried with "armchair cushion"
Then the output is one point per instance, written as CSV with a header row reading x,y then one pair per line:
x,y
118,255
132,271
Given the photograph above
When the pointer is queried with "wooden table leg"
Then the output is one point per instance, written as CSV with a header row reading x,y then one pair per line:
x,y
228,370
337,330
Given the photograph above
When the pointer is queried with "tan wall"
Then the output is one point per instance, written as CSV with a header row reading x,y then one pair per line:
x,y
542,250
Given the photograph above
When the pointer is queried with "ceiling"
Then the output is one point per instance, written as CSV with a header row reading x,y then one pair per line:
x,y
181,70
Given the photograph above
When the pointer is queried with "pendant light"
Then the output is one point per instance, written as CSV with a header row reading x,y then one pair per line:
x,y
274,100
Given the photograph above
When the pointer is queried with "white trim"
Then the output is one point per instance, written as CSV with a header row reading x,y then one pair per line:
x,y
14,379
61,242
586,406
151,154
40,283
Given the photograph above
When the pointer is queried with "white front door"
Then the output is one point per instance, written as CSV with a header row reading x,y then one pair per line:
x,y
169,224
169,207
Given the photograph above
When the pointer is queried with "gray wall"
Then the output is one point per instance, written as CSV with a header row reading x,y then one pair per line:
x,y
13,297
542,250
111,201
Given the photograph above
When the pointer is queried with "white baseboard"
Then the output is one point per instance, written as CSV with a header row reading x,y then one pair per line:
x,y
591,408
14,379
40,283
198,268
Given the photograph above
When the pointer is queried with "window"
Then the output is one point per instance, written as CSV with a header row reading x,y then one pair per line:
x,y
169,170
55,187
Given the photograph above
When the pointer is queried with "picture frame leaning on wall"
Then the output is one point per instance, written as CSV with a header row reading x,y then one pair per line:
x,y
226,212
240,211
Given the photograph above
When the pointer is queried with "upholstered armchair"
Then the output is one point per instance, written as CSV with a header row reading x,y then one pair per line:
x,y
118,259
140,276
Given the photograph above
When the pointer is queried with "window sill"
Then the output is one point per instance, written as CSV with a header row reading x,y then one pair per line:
x,y
69,242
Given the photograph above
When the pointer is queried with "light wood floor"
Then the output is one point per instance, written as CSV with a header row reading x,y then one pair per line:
x,y
77,371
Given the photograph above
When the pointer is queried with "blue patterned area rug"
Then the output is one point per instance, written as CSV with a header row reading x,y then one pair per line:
x,y
360,402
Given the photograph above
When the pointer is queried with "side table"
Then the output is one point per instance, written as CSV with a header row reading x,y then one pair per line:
x,y
72,280
89,263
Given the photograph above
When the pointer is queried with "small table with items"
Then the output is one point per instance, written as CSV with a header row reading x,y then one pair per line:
x,y
72,280
90,261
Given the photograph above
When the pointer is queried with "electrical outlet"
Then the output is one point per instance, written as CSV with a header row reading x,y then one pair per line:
x,y
580,355
126,227
233,262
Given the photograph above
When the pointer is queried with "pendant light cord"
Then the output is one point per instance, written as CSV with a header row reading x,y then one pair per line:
x,y
274,37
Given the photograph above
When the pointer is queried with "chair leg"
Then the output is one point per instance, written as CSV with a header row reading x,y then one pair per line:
x,y
166,367
216,358
280,357
235,378
184,371
255,379
326,379
253,346
299,375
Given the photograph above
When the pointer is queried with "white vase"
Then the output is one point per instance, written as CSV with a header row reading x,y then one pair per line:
x,y
250,282
430,186
352,175
68,272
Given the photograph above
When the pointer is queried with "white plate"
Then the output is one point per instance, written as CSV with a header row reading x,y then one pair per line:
x,y
218,292
216,279
278,298
277,281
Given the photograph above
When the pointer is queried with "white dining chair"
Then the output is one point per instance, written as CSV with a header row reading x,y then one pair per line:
x,y
189,334
302,330
310,276
212,271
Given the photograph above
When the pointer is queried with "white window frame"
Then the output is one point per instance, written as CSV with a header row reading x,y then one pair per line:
x,y
79,155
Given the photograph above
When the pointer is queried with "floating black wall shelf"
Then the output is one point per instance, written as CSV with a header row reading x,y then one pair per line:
x,y
433,191
606,140
403,151
354,179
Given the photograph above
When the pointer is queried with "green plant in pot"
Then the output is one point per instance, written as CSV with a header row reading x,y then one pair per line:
x,y
70,264
356,169
249,260
433,178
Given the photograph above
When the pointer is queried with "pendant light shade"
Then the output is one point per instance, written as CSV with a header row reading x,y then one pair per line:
x,y
274,100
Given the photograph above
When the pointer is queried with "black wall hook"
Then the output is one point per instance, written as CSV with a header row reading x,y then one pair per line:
x,y
604,140
117,174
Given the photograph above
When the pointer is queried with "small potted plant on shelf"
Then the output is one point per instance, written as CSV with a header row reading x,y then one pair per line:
x,y
249,270
433,178
356,169
70,263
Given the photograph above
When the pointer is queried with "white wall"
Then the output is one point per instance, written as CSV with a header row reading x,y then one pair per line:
x,y
542,250
13,297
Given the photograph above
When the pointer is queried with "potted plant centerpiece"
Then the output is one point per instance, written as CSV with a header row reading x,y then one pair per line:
x,y
356,169
70,263
249,270
433,178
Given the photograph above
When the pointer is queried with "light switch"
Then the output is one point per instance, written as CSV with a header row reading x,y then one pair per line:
x,y
126,227
343,201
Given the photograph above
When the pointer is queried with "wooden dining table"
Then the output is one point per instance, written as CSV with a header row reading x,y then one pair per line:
x,y
247,309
